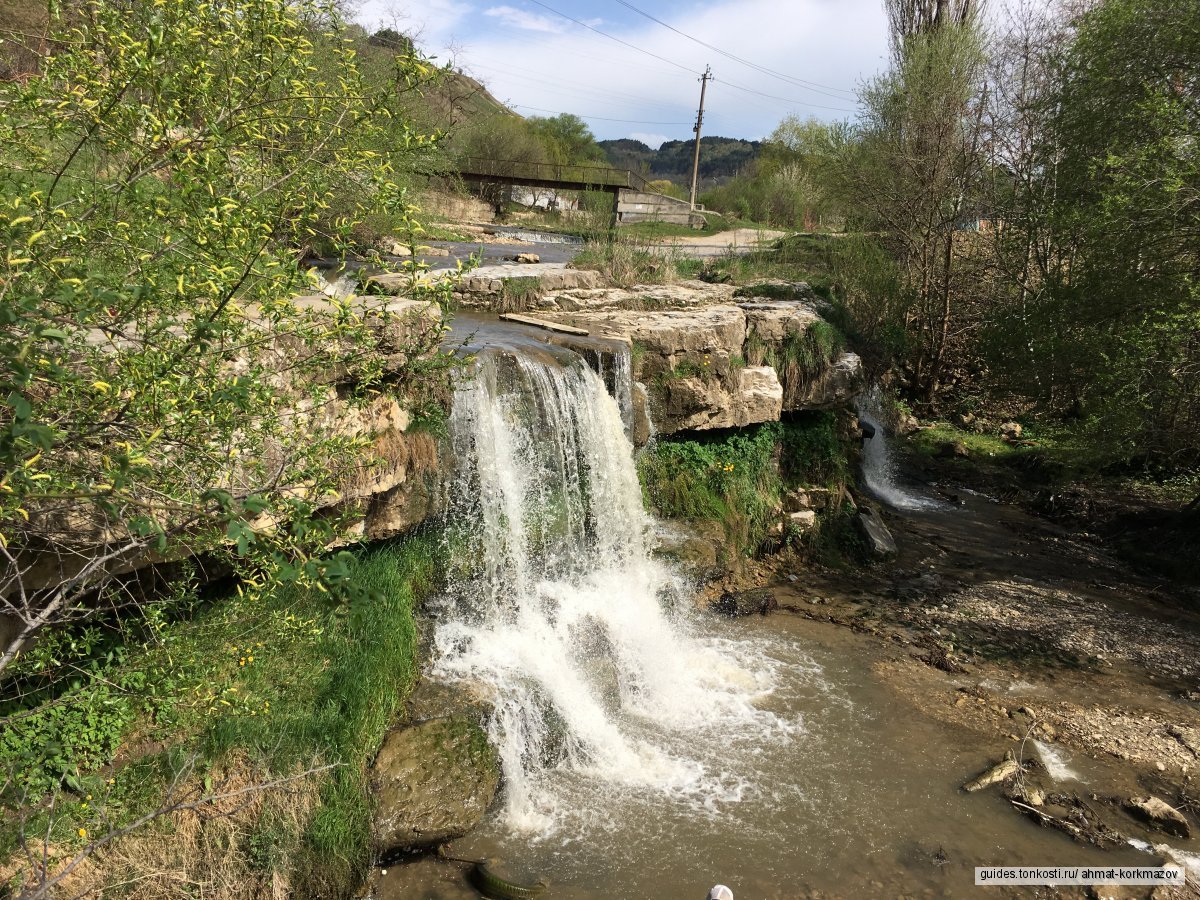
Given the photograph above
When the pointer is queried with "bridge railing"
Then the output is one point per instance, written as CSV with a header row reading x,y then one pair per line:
x,y
597,176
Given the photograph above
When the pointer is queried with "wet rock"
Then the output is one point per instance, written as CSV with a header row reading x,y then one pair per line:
x,y
879,540
1004,769
758,602
1160,815
696,546
433,782
641,427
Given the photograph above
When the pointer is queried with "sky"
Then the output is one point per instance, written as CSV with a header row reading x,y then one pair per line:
x,y
769,58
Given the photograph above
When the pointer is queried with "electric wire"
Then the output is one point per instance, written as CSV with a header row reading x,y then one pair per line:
x,y
598,118
799,82
612,38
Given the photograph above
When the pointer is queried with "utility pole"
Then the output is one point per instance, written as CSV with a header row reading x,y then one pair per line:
x,y
704,79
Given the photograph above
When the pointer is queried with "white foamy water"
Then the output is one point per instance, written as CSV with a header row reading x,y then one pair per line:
x,y
878,463
1056,762
601,685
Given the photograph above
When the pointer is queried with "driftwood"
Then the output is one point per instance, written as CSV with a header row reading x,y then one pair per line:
x,y
1004,769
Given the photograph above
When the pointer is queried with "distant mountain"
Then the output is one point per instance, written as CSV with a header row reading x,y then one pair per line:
x,y
721,158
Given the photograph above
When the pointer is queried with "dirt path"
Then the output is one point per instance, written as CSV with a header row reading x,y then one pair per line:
x,y
739,240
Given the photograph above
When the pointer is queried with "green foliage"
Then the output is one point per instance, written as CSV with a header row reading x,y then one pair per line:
x,y
787,185
1104,325
158,177
720,158
814,451
274,682
568,139
737,478
732,479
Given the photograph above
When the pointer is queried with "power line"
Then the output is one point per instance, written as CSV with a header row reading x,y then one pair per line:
x,y
800,82
611,38
597,118
573,86
739,87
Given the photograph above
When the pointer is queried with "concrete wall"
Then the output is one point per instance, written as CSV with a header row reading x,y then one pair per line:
x,y
637,206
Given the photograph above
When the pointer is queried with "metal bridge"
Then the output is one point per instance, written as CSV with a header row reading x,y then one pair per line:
x,y
552,175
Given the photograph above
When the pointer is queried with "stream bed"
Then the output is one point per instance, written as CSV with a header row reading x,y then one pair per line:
x,y
861,799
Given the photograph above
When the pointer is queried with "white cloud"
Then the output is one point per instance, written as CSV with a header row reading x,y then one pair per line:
x,y
434,24
615,89
653,141
527,21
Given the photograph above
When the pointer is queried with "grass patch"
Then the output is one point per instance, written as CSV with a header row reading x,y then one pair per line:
x,y
737,478
729,478
522,293
241,687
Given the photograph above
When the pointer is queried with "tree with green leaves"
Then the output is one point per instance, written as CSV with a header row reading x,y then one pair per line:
x,y
910,171
165,396
1112,208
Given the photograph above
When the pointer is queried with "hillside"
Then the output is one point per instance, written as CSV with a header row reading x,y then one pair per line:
x,y
721,158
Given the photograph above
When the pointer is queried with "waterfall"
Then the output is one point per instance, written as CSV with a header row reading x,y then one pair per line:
x,y
878,464
580,636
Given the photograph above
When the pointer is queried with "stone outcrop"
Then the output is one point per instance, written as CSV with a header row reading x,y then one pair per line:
x,y
708,366
432,782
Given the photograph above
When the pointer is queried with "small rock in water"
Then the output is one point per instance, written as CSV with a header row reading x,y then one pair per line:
x,y
745,603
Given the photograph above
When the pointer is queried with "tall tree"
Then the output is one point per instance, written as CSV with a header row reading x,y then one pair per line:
x,y
1119,309
912,173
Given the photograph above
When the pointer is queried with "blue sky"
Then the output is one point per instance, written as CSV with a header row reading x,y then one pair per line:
x,y
804,57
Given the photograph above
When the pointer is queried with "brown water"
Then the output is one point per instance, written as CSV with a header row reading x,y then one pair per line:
x,y
861,799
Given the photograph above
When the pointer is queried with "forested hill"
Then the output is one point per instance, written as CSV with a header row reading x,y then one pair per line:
x,y
721,158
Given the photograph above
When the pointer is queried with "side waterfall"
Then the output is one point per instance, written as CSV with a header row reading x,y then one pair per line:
x,y
582,638
878,464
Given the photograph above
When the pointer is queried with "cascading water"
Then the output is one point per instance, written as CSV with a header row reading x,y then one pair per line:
x,y
878,464
599,683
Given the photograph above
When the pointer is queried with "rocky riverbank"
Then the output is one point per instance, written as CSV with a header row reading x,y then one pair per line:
x,y
1040,644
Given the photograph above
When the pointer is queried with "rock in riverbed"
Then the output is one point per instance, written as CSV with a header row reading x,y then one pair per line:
x,y
879,539
433,782
1160,815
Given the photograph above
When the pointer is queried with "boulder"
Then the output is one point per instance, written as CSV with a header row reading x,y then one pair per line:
x,y
696,546
818,498
1159,815
432,782
803,520
759,396
834,386
879,539
758,602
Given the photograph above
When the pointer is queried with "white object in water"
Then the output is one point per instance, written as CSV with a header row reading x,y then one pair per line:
x,y
1056,762
720,892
